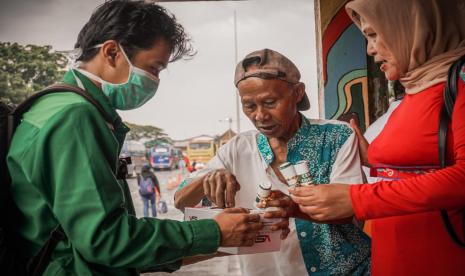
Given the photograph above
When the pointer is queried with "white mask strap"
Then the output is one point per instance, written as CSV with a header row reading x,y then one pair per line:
x,y
131,66
122,50
91,76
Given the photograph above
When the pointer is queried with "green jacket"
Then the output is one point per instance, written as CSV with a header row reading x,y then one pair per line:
x,y
63,162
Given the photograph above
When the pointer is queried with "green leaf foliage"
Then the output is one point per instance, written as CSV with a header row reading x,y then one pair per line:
x,y
25,70
153,133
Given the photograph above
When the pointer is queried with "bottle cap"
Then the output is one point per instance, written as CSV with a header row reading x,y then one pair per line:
x,y
264,189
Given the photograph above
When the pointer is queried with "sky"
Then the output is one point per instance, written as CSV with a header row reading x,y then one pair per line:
x,y
196,96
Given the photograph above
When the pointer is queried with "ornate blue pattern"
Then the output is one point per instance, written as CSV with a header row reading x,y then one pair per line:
x,y
265,149
327,249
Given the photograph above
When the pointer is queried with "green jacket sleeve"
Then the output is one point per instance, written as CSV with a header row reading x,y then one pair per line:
x,y
79,161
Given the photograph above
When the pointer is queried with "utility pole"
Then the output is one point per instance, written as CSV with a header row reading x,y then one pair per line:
x,y
238,120
228,120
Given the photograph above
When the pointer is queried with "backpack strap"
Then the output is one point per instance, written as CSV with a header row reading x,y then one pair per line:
x,y
450,95
450,90
37,265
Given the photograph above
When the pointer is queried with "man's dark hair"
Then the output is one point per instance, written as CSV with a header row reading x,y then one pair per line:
x,y
136,25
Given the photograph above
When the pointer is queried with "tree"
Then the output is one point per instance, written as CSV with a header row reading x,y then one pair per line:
x,y
27,69
158,141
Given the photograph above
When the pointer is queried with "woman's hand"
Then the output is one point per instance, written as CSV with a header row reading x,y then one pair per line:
x,y
362,143
324,203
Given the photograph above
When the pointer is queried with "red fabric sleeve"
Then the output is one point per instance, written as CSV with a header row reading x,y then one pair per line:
x,y
443,189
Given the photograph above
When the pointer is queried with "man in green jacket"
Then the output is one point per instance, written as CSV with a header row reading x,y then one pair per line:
x,y
64,155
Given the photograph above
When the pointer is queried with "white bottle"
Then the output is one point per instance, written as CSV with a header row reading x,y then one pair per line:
x,y
302,170
263,194
288,171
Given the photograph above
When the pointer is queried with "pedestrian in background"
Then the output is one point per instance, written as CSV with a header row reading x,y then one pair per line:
x,y
182,166
149,190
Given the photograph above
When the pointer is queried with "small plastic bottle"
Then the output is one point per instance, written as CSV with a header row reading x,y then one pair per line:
x,y
264,190
289,173
302,170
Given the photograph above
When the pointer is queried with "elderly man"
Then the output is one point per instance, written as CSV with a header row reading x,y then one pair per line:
x,y
272,96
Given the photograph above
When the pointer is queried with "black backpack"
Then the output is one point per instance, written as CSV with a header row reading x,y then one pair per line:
x,y
11,263
450,95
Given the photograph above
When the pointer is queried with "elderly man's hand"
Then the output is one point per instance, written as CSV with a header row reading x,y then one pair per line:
x,y
220,186
285,208
324,203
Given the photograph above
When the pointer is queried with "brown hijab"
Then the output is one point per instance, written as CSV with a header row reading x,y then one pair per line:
x,y
425,36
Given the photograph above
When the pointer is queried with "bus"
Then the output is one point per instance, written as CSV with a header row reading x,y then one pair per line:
x,y
138,153
164,156
201,150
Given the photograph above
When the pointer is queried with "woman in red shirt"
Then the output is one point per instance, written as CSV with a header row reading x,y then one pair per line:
x,y
415,41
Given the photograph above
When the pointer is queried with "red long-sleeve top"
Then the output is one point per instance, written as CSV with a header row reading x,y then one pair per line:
x,y
408,235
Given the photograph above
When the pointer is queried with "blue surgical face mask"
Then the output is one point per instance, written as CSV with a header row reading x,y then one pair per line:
x,y
140,87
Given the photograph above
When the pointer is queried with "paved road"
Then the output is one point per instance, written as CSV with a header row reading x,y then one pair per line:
x,y
224,266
